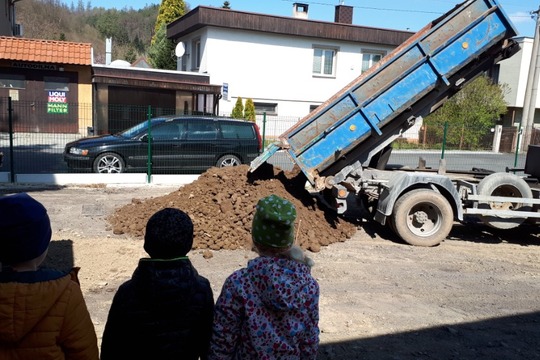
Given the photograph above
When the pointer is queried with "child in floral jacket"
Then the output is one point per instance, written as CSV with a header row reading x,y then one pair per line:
x,y
270,309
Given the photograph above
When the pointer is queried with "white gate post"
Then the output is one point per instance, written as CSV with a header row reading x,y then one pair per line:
x,y
497,133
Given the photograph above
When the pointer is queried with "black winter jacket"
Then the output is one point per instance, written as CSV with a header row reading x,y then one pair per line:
x,y
164,312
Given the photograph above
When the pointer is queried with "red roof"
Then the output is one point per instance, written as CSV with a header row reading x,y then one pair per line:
x,y
45,51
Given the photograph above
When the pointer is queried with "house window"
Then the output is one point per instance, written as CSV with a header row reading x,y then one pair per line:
x,y
268,108
324,62
196,54
12,81
370,58
184,62
57,83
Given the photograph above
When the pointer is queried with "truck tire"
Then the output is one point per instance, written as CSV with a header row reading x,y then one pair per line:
x,y
422,217
503,184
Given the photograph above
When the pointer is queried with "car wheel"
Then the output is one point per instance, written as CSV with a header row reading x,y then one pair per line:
x,y
110,163
228,160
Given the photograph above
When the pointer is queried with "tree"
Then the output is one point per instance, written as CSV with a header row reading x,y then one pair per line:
x,y
169,10
238,111
127,27
130,56
249,110
471,113
161,51
226,5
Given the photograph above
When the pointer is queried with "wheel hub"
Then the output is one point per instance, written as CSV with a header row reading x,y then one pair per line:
x,y
420,217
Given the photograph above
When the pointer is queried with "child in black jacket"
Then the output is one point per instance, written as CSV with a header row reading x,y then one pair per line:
x,y
165,311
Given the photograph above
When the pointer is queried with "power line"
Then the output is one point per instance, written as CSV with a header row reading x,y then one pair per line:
x,y
386,9
369,7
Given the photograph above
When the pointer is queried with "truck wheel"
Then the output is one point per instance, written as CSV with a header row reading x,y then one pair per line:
x,y
110,163
228,160
503,184
422,217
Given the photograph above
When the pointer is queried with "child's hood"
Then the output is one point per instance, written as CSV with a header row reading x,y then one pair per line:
x,y
23,305
282,284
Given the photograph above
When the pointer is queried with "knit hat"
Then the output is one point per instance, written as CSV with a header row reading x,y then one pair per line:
x,y
169,234
273,222
25,229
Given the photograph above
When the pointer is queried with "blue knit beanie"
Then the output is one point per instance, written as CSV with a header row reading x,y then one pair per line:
x,y
25,229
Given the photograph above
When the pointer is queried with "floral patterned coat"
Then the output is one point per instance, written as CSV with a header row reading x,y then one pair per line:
x,y
268,310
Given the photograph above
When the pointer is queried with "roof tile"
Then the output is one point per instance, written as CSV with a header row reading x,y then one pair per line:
x,y
63,52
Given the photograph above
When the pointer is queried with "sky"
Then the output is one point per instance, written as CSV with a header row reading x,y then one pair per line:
x,y
390,14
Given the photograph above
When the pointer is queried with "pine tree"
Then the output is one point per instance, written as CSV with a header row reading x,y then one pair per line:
x,y
226,5
169,10
160,53
238,111
249,110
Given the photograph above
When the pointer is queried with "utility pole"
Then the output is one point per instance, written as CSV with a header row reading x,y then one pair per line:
x,y
531,92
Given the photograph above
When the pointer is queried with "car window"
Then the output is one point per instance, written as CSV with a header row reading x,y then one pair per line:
x,y
201,130
237,131
140,128
168,131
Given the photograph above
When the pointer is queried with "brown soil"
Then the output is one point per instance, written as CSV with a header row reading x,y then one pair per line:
x,y
221,203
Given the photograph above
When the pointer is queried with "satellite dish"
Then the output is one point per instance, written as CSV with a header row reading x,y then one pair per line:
x,y
180,49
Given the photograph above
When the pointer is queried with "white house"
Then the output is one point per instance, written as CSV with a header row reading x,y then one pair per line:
x,y
290,65
514,73
286,65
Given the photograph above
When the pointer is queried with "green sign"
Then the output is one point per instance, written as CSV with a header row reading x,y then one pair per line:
x,y
57,108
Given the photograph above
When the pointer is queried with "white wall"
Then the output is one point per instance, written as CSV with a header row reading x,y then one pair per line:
x,y
278,69
514,72
274,69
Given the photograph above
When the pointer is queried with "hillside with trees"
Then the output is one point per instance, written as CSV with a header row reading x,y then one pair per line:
x,y
132,31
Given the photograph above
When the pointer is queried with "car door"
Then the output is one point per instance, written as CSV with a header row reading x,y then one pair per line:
x,y
167,138
200,145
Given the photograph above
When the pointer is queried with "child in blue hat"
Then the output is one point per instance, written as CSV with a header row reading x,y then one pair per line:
x,y
43,315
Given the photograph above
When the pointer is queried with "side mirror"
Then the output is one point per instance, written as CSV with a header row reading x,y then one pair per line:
x,y
144,138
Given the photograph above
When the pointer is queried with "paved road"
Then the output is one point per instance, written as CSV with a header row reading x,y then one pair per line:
x,y
455,160
42,154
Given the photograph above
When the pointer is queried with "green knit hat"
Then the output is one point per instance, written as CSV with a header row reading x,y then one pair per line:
x,y
273,222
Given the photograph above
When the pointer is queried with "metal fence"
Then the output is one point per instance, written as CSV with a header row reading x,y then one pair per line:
x,y
33,137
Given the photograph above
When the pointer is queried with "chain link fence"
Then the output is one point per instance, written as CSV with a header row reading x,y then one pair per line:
x,y
33,136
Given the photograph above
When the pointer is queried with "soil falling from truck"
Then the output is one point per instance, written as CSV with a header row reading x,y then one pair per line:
x,y
221,203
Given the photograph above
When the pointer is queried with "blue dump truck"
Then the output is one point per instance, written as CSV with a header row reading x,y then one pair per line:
x,y
343,146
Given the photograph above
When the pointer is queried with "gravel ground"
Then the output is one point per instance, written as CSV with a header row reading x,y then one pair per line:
x,y
473,297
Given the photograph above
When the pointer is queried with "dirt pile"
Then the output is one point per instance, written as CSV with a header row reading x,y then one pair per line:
x,y
221,203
